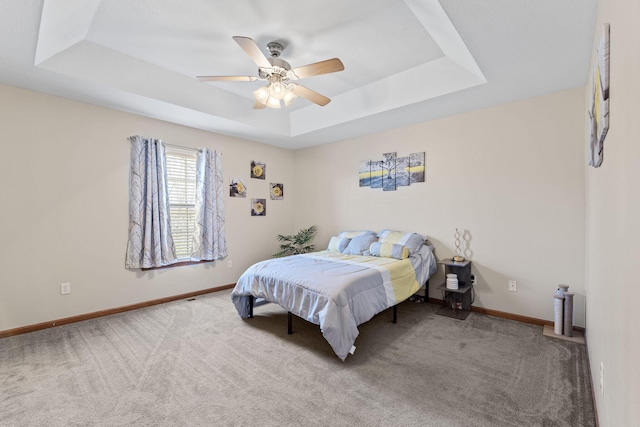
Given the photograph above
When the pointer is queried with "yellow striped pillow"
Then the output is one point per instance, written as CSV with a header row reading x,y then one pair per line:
x,y
389,250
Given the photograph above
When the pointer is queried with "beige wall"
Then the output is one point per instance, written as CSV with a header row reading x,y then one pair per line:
x,y
511,176
64,171
613,229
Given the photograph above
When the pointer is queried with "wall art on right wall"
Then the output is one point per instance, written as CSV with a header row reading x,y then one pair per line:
x,y
599,111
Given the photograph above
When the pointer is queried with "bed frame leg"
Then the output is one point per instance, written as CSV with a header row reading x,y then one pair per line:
x,y
250,306
395,313
289,323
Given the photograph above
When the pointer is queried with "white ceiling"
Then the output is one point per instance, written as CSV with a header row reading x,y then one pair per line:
x,y
405,61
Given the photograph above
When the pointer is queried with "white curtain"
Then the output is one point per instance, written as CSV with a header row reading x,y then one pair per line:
x,y
209,241
150,243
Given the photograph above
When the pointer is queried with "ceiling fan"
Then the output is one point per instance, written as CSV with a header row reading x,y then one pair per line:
x,y
279,74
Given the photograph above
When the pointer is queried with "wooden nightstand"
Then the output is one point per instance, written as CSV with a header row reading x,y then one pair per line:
x,y
457,302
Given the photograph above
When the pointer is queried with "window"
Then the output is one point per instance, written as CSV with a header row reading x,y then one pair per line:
x,y
196,235
181,180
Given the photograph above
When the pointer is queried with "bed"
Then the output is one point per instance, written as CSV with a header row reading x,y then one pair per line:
x,y
355,278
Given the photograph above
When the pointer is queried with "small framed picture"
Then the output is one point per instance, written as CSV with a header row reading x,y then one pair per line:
x,y
237,188
258,207
277,191
258,170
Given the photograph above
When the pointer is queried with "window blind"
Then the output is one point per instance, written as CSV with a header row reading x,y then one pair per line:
x,y
181,179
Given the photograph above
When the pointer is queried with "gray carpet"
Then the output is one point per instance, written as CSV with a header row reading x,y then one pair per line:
x,y
196,363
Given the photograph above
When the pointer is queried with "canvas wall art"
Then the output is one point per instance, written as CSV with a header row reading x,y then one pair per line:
x,y
392,172
277,191
599,111
258,170
402,171
376,173
389,172
364,173
237,188
258,207
416,167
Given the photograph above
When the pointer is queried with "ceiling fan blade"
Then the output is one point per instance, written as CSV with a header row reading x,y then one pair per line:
x,y
227,78
312,96
317,68
251,48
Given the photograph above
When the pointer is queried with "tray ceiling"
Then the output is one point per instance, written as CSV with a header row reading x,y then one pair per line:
x,y
405,61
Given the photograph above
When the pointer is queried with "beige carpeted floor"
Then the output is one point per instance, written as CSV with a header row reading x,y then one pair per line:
x,y
196,363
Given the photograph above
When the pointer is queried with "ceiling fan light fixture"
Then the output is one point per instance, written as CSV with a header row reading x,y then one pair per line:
x,y
271,94
264,97
276,90
289,97
273,102
261,95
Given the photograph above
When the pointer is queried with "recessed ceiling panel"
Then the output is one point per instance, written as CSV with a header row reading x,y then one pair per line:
x,y
153,47
192,39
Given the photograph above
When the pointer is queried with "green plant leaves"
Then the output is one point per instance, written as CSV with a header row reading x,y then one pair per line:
x,y
299,243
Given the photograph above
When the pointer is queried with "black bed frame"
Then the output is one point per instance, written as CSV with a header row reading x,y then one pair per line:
x,y
256,302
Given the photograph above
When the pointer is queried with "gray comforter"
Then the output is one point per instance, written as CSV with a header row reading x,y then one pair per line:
x,y
336,291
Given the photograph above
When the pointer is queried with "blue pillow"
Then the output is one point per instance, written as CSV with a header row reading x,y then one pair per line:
x,y
338,244
360,244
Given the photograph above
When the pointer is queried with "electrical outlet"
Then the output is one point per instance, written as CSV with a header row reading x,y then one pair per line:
x,y
65,288
229,264
601,378
513,286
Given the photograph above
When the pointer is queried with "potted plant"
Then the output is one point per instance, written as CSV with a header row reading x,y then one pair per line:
x,y
299,243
